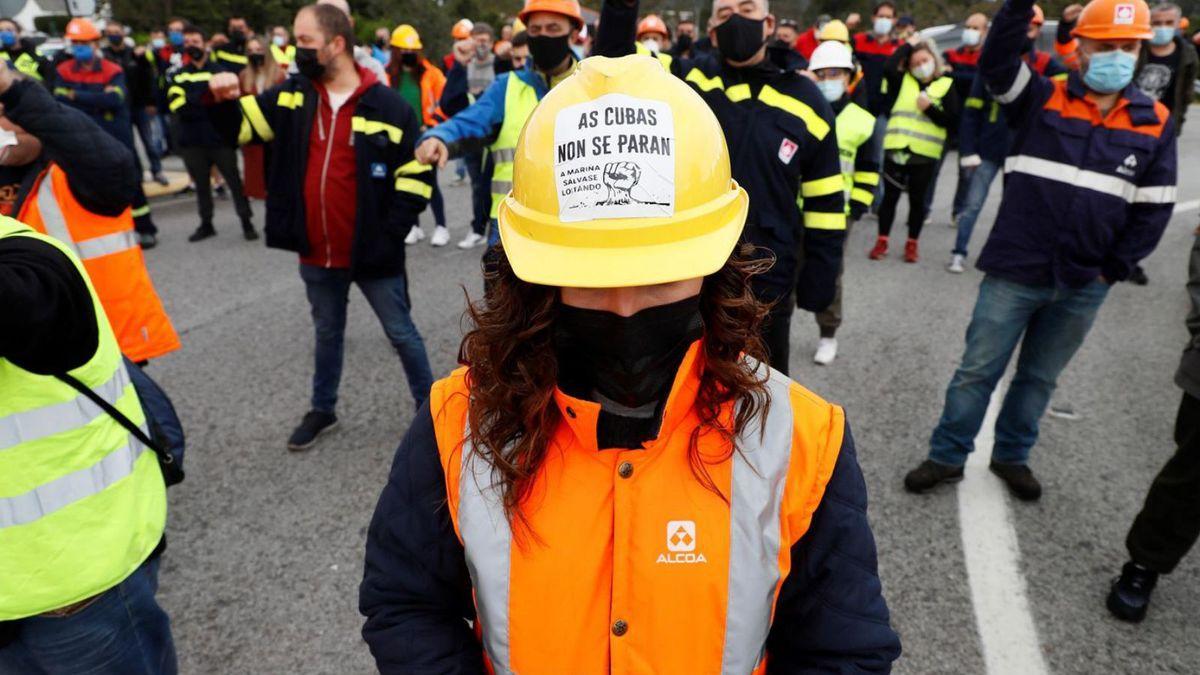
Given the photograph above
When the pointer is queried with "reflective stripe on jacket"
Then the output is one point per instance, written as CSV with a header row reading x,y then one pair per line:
x,y
910,129
860,174
109,250
82,502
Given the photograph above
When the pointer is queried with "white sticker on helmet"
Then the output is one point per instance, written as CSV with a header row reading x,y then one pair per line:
x,y
614,157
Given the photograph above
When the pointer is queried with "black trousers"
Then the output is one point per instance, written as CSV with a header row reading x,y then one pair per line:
x,y
1169,523
913,178
199,162
776,333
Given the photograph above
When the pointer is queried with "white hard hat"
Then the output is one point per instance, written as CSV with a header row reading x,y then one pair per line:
x,y
831,54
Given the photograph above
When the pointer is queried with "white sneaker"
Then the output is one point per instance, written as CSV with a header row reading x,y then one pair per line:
x,y
441,236
471,240
414,235
826,351
956,264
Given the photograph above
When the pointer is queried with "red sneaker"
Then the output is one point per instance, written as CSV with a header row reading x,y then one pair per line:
x,y
880,250
910,251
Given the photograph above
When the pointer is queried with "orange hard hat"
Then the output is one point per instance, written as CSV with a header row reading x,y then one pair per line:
x,y
652,24
567,8
1039,17
1184,24
462,29
82,30
1114,20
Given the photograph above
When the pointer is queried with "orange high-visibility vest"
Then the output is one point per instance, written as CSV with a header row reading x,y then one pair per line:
x,y
110,253
634,565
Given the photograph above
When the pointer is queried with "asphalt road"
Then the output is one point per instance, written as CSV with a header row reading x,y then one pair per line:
x,y
266,547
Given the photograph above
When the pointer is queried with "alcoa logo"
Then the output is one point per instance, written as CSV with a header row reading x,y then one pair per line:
x,y
1128,167
681,544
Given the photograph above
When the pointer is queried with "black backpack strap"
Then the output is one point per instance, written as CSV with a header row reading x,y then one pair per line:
x,y
117,415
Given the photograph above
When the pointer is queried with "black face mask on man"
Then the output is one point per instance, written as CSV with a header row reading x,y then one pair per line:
x,y
630,360
194,54
739,38
308,64
549,52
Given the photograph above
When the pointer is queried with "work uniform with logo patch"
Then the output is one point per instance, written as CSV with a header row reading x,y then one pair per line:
x,y
633,564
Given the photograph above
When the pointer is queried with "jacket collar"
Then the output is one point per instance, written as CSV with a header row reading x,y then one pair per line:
x,y
582,417
1140,107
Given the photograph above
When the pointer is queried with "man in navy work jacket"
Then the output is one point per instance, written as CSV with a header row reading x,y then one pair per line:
x,y
1089,188
342,191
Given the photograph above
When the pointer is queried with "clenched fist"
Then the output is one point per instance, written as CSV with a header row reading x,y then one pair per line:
x,y
432,151
620,177
225,87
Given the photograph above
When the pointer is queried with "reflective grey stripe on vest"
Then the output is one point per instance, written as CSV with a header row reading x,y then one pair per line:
x,y
502,155
487,540
909,115
915,134
30,425
759,474
56,226
66,490
52,216
501,187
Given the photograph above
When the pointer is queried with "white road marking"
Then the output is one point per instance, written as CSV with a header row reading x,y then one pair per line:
x,y
1192,205
1002,613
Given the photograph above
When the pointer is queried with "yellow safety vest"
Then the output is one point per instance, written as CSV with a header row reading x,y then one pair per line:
x,y
854,127
909,128
519,101
82,502
664,59
283,56
25,64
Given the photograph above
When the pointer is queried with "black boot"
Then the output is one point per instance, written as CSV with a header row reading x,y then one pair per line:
x,y
929,474
248,230
203,232
1020,481
1129,597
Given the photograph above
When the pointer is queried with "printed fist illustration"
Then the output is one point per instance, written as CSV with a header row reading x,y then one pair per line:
x,y
620,177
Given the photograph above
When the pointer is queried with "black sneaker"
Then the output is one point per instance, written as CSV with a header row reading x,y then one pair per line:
x,y
248,231
311,427
1129,597
929,474
1020,481
1138,276
147,241
203,232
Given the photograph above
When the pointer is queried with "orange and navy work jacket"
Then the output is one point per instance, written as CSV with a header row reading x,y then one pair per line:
x,y
113,259
633,565
1087,194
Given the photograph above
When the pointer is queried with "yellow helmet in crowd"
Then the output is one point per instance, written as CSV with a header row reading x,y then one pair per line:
x,y
406,37
621,178
834,30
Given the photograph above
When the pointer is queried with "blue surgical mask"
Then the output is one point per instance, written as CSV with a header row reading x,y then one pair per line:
x,y
1110,72
158,43
83,52
832,90
279,41
8,38
970,37
883,25
1162,35
176,38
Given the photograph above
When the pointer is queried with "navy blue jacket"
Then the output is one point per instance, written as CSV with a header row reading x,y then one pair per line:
x,y
984,128
416,592
1084,197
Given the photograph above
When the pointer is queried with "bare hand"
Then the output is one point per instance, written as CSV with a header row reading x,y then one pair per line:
x,y
1072,12
463,51
225,87
923,102
914,39
853,19
504,50
432,151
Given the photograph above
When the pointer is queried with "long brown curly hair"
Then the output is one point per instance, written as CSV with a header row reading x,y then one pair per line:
x,y
513,370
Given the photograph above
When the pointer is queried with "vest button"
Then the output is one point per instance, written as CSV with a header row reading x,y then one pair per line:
x,y
620,628
625,470
570,412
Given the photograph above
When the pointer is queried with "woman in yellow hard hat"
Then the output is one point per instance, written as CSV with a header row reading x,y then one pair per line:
x,y
614,441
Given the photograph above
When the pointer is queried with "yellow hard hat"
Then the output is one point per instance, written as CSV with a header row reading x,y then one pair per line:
x,y
834,30
621,178
406,37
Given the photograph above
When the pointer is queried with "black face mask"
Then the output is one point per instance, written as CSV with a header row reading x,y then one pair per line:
x,y
549,52
683,43
739,38
257,60
195,54
237,38
380,42
308,64
116,40
409,59
630,360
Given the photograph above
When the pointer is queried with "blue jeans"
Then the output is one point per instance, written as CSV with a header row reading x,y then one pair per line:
x,y
329,295
1054,323
481,190
149,127
960,191
122,632
981,178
